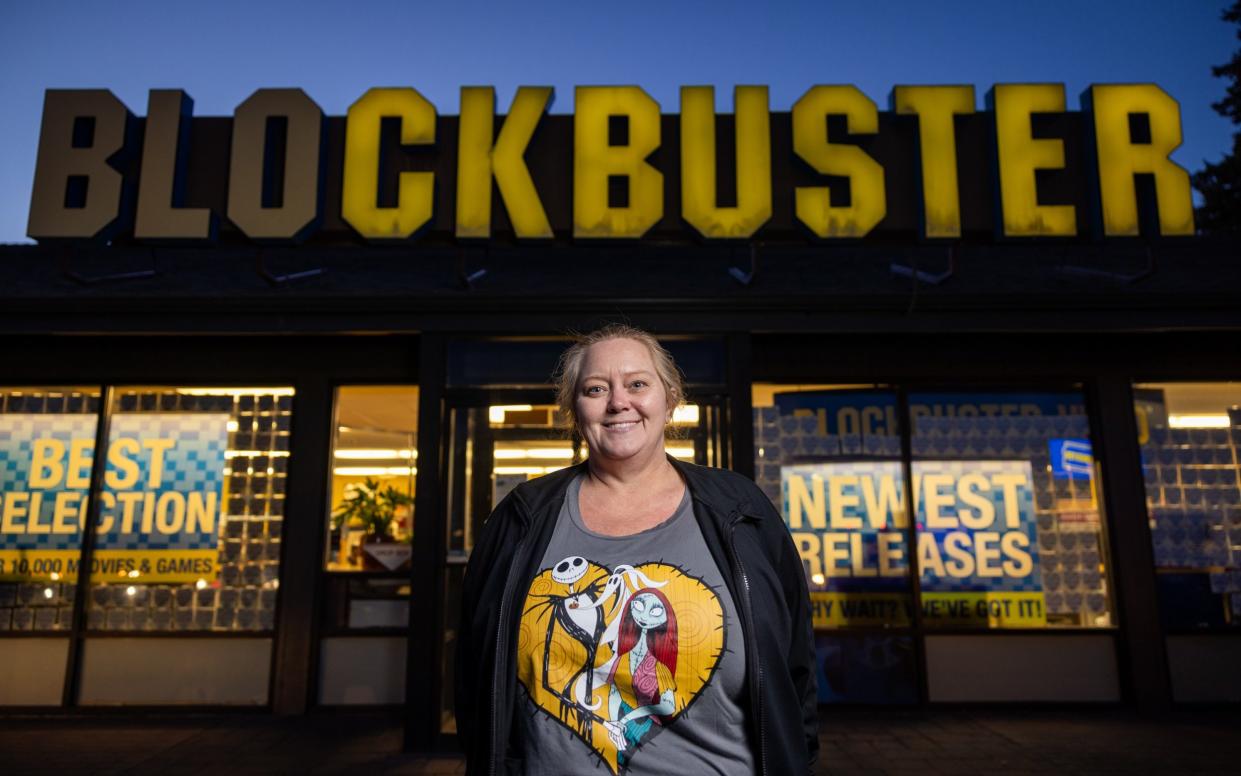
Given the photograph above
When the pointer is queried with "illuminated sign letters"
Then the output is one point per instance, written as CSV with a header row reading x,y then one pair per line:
x,y
868,202
480,159
1122,156
161,188
1021,156
935,107
270,197
601,161
360,190
77,192
832,168
699,193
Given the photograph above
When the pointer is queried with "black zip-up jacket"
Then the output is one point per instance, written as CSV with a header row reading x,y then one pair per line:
x,y
759,563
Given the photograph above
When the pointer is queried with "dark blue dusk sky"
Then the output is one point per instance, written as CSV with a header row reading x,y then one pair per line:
x,y
221,51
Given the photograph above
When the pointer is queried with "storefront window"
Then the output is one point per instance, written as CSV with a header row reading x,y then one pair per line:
x,y
370,523
374,465
46,438
1010,529
192,510
829,458
1190,434
1007,531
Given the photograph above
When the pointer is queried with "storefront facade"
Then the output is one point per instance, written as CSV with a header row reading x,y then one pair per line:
x,y
1054,408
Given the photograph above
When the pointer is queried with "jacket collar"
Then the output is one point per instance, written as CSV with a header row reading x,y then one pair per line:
x,y
544,496
716,490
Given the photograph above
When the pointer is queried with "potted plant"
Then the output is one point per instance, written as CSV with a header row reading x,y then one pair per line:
x,y
372,509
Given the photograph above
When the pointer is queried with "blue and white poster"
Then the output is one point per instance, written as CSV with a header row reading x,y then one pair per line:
x,y
159,510
976,541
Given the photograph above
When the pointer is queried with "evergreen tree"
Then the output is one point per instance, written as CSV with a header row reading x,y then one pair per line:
x,y
1220,183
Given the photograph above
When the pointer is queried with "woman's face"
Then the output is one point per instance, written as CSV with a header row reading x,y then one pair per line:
x,y
621,403
648,611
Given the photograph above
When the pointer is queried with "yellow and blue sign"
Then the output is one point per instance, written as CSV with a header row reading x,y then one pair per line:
x,y
535,155
160,509
1071,459
976,542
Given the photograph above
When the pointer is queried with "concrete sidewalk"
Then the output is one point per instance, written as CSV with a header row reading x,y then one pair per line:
x,y
1007,741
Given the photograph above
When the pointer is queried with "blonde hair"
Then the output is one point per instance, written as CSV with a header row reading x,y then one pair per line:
x,y
569,368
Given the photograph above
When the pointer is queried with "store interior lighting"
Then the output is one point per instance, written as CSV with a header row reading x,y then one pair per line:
x,y
375,454
235,391
555,453
527,469
495,413
1198,421
685,415
374,471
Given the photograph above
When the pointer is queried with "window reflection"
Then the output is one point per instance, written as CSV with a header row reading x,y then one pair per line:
x,y
1189,435
828,457
192,510
1008,513
1007,510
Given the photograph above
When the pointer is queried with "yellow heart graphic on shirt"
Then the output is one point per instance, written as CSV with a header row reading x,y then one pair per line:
x,y
615,655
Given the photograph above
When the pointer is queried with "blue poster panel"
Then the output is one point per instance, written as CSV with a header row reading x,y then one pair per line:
x,y
159,511
976,542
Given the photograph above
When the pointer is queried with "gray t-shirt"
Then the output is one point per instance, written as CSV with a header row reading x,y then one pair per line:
x,y
630,656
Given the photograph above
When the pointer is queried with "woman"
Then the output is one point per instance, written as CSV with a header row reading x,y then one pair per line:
x,y
573,567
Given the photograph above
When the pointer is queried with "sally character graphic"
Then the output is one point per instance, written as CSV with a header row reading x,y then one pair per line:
x,y
642,680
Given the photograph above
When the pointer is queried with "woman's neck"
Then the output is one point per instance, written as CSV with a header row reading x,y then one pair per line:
x,y
630,474
624,500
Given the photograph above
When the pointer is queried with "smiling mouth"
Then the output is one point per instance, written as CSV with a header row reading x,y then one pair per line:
x,y
623,425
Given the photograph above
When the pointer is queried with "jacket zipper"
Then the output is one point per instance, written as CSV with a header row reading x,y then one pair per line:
x,y
756,668
502,656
